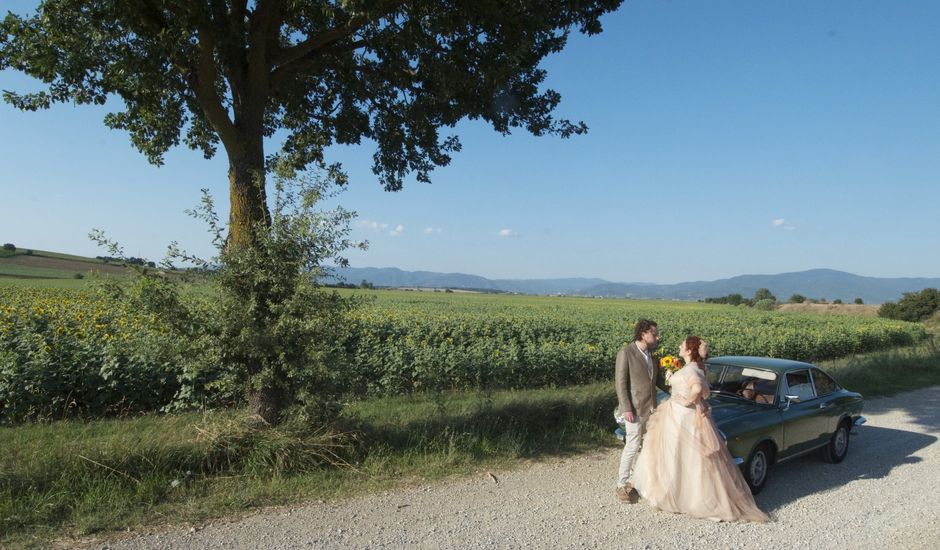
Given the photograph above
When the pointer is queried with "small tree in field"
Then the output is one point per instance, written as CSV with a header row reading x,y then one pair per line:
x,y
859,301
797,299
763,294
273,321
272,327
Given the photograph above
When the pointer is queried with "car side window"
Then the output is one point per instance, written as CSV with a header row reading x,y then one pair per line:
x,y
823,384
800,385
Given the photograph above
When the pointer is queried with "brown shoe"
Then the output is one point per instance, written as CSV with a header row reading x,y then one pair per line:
x,y
625,494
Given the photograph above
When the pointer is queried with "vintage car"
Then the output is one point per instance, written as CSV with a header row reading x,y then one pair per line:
x,y
771,410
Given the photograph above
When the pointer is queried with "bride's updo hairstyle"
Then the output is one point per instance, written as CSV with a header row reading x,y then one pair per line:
x,y
698,349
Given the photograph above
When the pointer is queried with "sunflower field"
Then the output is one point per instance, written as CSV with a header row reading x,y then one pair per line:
x,y
81,353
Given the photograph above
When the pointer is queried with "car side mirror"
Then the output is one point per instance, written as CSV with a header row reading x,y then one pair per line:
x,y
791,399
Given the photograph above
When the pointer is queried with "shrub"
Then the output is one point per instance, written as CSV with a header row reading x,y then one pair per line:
x,y
913,306
859,301
9,246
270,320
763,294
766,304
78,276
730,299
797,299
837,301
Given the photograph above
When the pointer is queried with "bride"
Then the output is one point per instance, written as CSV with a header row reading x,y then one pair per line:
x,y
684,466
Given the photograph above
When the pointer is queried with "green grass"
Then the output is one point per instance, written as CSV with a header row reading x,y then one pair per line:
x,y
4,253
61,256
75,479
71,284
23,271
891,371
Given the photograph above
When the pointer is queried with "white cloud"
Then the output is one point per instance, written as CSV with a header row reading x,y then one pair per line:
x,y
373,225
432,230
399,229
506,233
782,224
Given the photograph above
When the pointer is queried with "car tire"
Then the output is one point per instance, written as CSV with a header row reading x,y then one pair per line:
x,y
757,467
834,452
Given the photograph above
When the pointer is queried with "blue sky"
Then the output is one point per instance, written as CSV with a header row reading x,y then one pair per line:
x,y
726,138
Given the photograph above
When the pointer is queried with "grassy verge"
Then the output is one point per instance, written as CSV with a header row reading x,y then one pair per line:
x,y
76,479
890,371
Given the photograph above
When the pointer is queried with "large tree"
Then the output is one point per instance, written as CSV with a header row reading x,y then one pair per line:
x,y
317,72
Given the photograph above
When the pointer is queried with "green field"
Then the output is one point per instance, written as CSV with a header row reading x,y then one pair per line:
x,y
21,271
41,265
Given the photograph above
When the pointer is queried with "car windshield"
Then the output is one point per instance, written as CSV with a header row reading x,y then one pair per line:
x,y
748,383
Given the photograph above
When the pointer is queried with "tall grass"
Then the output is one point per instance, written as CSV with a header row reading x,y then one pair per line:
x,y
79,478
891,371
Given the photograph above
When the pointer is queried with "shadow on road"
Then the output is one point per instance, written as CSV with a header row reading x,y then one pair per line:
x,y
921,406
873,454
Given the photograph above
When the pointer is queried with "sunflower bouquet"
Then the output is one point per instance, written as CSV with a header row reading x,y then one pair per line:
x,y
669,365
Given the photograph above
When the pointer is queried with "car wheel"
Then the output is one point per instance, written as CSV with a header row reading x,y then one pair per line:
x,y
838,446
756,467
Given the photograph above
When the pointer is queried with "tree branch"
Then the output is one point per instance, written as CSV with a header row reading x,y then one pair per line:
x,y
285,56
203,82
259,39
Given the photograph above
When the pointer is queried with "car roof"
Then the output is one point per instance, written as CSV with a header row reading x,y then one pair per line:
x,y
769,363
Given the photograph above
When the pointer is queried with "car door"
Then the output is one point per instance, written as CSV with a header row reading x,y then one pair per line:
x,y
827,401
803,425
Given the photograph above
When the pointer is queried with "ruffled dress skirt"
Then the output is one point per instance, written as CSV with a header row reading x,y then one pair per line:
x,y
684,467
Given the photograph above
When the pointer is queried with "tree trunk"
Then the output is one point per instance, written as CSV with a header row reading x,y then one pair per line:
x,y
247,195
267,403
249,214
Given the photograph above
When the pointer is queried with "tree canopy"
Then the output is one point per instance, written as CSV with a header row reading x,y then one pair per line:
x,y
324,72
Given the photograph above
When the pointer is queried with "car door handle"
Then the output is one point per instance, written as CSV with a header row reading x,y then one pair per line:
x,y
824,405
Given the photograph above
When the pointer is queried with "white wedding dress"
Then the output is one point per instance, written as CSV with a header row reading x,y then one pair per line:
x,y
684,465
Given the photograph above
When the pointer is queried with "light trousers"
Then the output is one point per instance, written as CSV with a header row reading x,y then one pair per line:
x,y
632,443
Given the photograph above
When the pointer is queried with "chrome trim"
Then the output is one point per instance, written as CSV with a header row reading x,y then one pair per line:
x,y
856,423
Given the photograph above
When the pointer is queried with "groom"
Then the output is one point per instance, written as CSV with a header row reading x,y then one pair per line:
x,y
636,378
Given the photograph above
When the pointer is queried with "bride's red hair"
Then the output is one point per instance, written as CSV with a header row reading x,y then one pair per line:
x,y
697,347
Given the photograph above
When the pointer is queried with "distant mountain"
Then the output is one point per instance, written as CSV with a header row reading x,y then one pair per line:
x,y
394,277
815,283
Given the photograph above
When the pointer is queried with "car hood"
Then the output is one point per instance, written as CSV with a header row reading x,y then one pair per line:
x,y
727,408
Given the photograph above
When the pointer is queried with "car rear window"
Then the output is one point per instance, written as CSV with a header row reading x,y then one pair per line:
x,y
823,384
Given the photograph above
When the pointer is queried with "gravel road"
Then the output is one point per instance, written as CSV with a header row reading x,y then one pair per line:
x,y
886,494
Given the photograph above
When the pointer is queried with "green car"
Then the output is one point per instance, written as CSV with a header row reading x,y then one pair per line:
x,y
772,410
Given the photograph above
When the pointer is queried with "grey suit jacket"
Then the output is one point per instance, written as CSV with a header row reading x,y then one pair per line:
x,y
636,382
